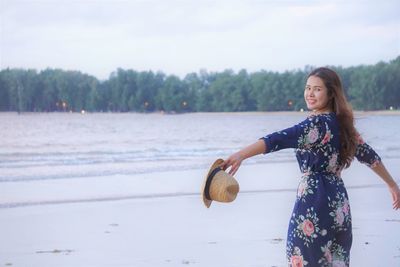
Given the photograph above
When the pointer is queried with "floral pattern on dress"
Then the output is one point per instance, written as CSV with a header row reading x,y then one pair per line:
x,y
340,211
327,258
365,154
320,231
307,228
333,163
310,138
334,255
306,187
297,260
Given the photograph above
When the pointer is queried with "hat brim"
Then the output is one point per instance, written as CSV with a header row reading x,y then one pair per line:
x,y
216,164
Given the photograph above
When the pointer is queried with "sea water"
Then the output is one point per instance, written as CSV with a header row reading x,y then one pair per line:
x,y
38,146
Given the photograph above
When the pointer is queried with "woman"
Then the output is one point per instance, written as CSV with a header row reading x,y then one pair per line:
x,y
326,142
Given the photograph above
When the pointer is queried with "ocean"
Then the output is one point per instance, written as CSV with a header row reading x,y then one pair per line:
x,y
38,146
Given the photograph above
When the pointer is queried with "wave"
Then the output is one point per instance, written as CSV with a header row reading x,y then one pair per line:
x,y
153,196
99,171
87,164
130,144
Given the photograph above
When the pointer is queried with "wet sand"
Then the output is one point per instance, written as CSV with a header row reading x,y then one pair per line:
x,y
159,219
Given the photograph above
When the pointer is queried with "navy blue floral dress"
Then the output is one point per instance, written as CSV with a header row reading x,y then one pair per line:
x,y
319,231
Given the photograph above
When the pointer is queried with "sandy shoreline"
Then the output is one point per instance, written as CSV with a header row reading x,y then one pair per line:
x,y
176,229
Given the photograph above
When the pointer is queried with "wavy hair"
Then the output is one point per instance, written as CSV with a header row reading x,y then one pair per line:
x,y
344,113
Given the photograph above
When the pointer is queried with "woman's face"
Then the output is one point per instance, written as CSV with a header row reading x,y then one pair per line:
x,y
316,95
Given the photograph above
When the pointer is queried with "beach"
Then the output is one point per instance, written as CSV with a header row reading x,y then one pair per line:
x,y
126,222
124,190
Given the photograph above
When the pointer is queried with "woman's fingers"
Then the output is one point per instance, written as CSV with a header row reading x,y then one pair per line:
x,y
396,205
395,192
234,169
226,164
396,201
233,162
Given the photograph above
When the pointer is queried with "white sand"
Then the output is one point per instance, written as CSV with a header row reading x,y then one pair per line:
x,y
169,226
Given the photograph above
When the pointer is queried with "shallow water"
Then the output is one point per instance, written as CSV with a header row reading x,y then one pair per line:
x,y
36,146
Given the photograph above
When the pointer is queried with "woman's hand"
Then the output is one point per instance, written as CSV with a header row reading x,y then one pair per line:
x,y
236,159
395,192
380,169
234,162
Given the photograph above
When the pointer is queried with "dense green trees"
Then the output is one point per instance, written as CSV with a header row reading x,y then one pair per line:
x,y
368,88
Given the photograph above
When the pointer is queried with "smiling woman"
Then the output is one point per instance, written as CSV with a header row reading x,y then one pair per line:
x,y
320,228
329,97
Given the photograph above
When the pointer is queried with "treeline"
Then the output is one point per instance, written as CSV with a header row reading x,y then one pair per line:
x,y
369,87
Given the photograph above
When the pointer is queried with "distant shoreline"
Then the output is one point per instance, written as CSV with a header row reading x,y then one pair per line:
x,y
356,112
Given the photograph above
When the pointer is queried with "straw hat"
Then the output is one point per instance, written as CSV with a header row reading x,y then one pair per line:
x,y
219,185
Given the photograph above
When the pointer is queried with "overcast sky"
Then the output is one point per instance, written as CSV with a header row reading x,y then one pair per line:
x,y
179,37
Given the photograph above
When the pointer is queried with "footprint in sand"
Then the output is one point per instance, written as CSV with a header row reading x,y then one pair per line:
x,y
112,225
275,240
56,251
187,262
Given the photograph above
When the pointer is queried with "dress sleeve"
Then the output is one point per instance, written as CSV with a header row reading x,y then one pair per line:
x,y
365,154
304,135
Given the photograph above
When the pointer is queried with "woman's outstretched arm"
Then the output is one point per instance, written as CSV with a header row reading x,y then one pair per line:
x,y
236,159
382,172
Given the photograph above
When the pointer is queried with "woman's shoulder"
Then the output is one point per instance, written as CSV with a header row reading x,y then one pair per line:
x,y
331,116
320,119
321,116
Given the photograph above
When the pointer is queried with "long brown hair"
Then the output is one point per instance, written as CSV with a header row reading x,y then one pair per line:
x,y
344,113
